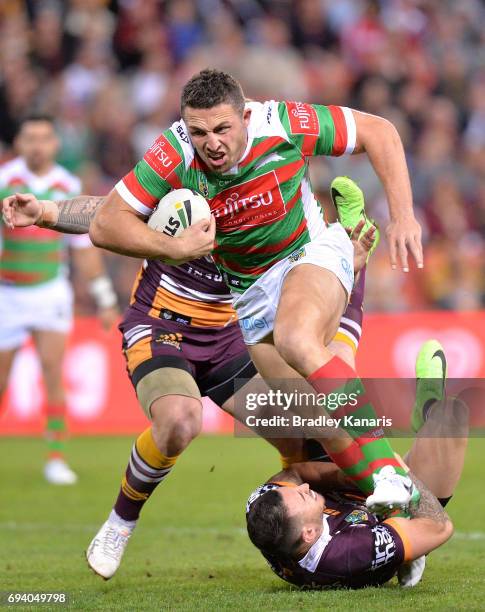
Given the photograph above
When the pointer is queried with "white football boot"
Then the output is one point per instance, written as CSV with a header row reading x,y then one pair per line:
x,y
391,491
56,471
106,550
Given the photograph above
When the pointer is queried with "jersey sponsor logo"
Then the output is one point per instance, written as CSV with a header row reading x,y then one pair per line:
x,y
232,280
251,323
170,315
268,114
297,255
303,119
173,339
182,135
384,546
255,202
212,276
356,516
162,157
347,268
203,185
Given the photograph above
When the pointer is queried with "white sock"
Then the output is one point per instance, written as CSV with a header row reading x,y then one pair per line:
x,y
116,518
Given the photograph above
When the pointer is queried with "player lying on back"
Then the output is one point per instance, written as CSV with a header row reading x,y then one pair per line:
x,y
311,524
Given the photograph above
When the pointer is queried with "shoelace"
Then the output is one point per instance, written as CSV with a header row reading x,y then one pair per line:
x,y
112,541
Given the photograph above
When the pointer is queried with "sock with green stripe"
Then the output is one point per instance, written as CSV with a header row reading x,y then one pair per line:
x,y
369,450
55,431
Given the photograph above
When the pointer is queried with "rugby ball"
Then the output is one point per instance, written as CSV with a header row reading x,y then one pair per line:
x,y
178,210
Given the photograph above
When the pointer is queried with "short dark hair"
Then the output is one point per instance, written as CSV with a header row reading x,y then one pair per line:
x,y
209,88
270,528
36,117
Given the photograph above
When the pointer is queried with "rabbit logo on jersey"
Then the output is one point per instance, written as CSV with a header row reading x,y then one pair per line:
x,y
255,202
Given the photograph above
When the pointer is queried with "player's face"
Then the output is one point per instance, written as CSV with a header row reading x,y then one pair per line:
x,y
219,134
303,502
37,143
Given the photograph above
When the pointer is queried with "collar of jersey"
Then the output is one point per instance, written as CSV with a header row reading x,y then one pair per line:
x,y
235,168
311,560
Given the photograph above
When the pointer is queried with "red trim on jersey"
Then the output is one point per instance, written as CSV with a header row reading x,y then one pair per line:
x,y
291,203
174,181
16,181
138,191
274,248
288,171
31,233
18,276
261,148
237,268
234,266
308,145
341,137
60,187
198,164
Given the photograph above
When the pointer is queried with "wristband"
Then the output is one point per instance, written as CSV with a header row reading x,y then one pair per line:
x,y
101,289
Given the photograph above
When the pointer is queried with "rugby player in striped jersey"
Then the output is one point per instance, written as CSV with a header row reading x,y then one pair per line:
x,y
180,319
35,294
249,161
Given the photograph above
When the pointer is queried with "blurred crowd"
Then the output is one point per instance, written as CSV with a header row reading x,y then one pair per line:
x,y
111,73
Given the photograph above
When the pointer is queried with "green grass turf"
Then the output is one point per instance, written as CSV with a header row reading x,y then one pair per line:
x,y
190,550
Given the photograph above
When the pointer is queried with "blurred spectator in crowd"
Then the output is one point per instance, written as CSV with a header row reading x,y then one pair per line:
x,y
111,72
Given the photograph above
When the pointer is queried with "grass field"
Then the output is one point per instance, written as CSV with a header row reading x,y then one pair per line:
x,y
190,550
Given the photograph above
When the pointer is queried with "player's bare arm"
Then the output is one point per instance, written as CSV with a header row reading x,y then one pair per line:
x,y
67,216
429,527
382,143
119,228
429,507
75,216
89,263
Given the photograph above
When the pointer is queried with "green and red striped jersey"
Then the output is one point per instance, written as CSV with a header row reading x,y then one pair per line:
x,y
34,255
264,206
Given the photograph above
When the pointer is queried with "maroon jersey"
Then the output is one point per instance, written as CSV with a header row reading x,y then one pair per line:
x,y
193,293
355,548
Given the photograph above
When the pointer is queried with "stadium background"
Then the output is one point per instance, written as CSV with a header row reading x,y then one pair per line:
x,y
111,72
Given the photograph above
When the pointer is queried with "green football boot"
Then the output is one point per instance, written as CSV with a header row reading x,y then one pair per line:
x,y
430,381
348,199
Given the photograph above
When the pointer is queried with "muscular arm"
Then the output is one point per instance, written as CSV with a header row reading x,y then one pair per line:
x,y
382,143
429,527
429,507
119,228
70,216
112,223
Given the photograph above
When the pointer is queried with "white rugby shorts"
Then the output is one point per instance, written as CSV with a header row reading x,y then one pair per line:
x,y
256,307
45,307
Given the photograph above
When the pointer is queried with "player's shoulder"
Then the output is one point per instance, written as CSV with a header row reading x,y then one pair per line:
x,y
266,120
11,169
172,150
64,180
